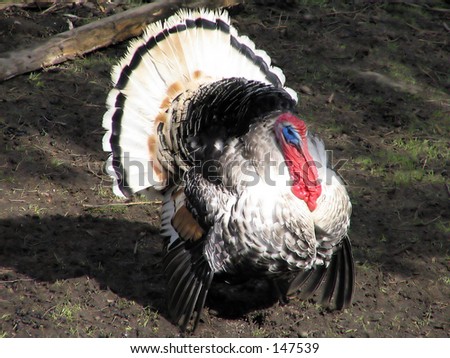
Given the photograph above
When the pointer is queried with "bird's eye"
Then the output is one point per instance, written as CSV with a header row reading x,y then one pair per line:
x,y
291,135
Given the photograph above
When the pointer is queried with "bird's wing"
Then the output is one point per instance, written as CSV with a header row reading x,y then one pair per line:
x,y
336,280
188,273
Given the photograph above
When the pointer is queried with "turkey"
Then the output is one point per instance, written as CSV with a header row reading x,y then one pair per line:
x,y
199,114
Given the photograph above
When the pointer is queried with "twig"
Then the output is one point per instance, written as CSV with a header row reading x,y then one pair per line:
x,y
54,122
385,81
335,29
426,73
51,8
153,202
446,26
335,13
414,28
428,222
50,309
434,42
17,280
427,7
92,172
401,250
331,98
44,149
4,271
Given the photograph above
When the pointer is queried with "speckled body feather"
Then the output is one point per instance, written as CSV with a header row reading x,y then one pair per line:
x,y
202,127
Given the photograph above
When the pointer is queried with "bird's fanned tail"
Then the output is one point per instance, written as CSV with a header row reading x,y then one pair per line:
x,y
187,50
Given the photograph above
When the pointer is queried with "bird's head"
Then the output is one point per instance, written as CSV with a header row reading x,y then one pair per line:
x,y
291,134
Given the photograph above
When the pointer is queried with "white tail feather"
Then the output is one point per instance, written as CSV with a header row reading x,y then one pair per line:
x,y
169,58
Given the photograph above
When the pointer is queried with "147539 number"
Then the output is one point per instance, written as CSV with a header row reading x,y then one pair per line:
x,y
299,347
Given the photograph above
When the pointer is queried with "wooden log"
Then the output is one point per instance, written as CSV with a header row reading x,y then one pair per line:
x,y
27,5
95,35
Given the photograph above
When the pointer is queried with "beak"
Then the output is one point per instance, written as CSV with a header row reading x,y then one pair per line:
x,y
299,145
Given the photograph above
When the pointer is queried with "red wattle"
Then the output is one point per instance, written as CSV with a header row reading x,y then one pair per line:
x,y
303,171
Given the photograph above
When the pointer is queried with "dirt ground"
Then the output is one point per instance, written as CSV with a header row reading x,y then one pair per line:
x,y
373,80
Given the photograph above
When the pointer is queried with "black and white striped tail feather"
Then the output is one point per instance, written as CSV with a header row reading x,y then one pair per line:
x,y
186,50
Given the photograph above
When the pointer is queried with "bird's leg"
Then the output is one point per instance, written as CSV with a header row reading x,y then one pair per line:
x,y
280,291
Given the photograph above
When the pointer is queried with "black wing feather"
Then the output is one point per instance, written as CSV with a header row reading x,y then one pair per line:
x,y
314,282
350,273
338,279
330,283
189,277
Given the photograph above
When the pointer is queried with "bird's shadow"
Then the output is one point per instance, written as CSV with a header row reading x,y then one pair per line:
x,y
234,301
123,256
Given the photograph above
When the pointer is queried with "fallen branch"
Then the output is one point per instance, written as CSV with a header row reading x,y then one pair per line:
x,y
44,6
95,35
28,5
